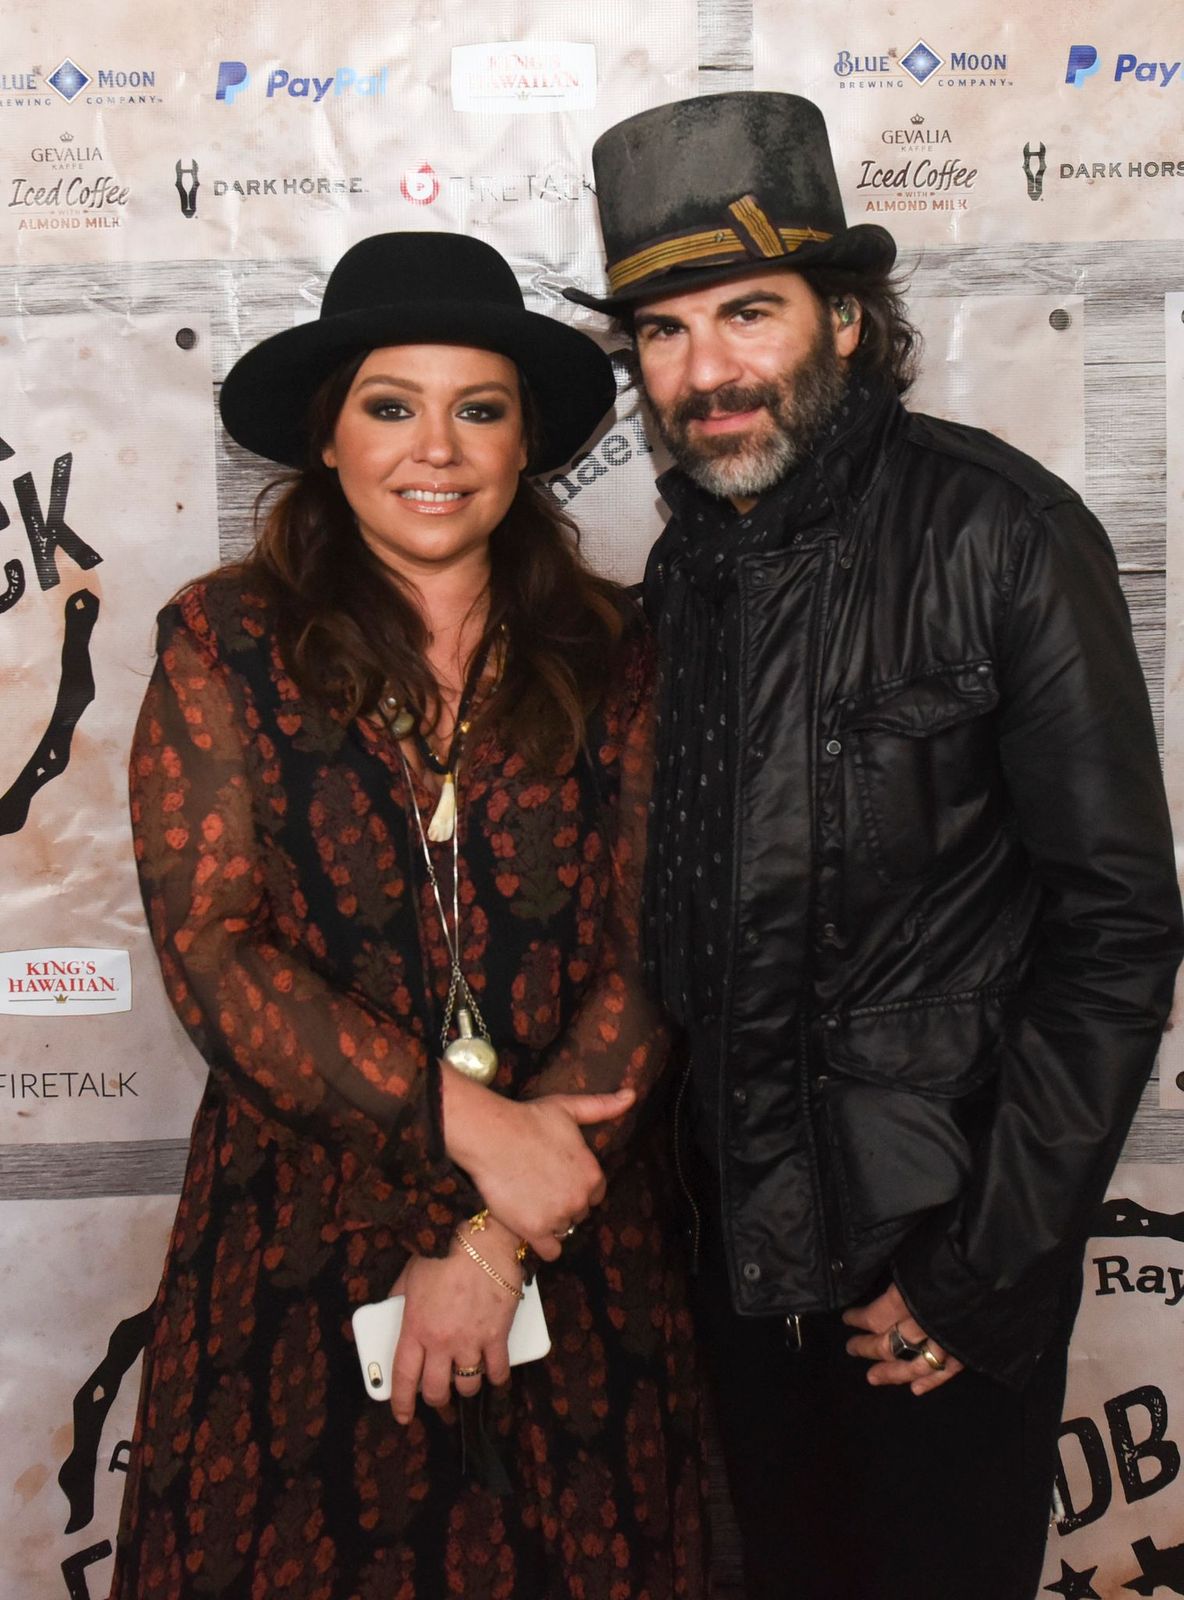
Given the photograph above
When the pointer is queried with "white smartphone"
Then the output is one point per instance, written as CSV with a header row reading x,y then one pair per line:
x,y
376,1333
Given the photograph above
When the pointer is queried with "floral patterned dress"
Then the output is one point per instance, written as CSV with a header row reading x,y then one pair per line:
x,y
301,948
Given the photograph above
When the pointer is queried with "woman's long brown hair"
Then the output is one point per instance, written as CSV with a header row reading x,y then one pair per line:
x,y
347,626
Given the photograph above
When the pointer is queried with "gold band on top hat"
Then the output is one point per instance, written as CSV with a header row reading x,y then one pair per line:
x,y
753,234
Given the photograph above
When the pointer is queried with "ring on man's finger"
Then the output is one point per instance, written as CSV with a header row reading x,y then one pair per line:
x,y
468,1372
935,1361
900,1347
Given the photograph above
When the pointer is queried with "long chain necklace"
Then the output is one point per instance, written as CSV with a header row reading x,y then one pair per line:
x,y
472,1051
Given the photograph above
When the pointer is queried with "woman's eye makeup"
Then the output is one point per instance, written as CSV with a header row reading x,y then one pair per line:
x,y
388,407
482,411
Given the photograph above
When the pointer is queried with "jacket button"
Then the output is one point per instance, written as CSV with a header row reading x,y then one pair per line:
x,y
984,671
757,752
836,1266
830,932
830,1023
751,1272
846,563
751,939
834,747
740,1097
759,578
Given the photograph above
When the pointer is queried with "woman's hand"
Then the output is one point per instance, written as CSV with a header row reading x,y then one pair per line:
x,y
455,1316
529,1158
878,1319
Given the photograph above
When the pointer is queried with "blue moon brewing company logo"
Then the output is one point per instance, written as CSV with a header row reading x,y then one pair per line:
x,y
922,64
47,531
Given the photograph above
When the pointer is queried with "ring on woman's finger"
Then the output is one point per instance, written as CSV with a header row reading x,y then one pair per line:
x,y
900,1347
567,1232
468,1372
935,1361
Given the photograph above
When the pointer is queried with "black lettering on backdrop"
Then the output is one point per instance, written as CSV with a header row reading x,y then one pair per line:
x,y
1156,1447
1128,1452
15,575
74,1569
1160,1568
1088,1435
1125,1219
91,1405
47,532
76,690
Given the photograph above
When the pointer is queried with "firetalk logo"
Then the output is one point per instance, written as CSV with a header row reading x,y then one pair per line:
x,y
1083,63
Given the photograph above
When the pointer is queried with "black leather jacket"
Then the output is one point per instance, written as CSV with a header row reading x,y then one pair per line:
x,y
957,921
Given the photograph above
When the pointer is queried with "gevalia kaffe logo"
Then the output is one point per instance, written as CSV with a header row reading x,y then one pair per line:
x,y
57,195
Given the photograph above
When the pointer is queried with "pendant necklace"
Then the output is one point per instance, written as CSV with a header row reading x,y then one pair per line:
x,y
401,721
471,1052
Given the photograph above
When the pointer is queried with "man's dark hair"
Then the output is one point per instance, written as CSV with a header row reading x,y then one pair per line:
x,y
889,345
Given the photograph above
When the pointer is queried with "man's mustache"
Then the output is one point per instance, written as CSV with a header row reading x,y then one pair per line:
x,y
733,397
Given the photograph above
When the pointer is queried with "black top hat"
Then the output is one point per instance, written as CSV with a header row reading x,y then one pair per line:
x,y
418,288
697,190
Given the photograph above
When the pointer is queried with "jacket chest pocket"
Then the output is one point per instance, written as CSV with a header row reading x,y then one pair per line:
x,y
925,766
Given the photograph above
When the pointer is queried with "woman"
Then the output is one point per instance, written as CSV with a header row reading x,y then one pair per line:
x,y
388,791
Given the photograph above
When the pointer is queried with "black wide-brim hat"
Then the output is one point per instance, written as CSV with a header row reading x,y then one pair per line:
x,y
419,288
699,190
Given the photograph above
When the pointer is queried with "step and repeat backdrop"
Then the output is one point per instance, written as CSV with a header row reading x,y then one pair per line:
x,y
174,186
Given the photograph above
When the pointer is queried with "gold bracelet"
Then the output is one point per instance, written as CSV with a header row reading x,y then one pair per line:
x,y
477,1225
518,1294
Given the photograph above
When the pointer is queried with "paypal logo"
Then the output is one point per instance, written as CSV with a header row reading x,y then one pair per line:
x,y
233,77
1083,63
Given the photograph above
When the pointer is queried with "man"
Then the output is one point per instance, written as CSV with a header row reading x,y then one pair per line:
x,y
911,883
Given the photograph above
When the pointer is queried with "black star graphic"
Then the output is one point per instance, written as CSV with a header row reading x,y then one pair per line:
x,y
1161,1568
1074,1585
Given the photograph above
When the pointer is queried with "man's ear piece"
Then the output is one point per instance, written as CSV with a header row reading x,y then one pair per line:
x,y
845,310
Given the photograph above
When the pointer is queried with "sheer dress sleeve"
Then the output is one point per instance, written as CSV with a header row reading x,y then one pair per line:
x,y
619,1036
310,1055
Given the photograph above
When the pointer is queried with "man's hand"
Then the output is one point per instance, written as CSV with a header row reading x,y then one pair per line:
x,y
528,1158
877,1319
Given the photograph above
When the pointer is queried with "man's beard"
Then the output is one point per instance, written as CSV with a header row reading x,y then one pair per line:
x,y
797,406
